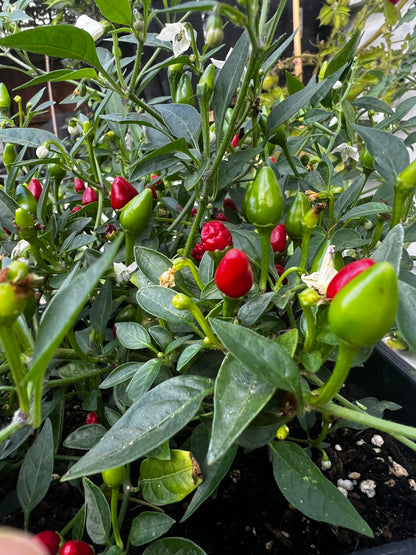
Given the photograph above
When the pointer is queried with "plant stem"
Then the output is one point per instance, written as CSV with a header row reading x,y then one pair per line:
x,y
264,235
13,352
114,518
345,358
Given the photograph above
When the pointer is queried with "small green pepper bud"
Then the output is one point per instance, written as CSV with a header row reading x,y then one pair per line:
x,y
215,33
114,477
5,101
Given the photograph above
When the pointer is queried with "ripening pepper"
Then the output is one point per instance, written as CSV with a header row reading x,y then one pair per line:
x,y
25,198
121,192
198,252
264,200
346,274
13,300
234,276
297,210
364,310
215,236
92,418
35,188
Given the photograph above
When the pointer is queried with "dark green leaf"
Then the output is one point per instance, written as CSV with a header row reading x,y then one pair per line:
x,y
98,513
239,396
363,210
61,41
150,421
391,248
133,336
304,486
35,474
148,526
117,12
143,378
182,120
61,75
157,301
344,56
174,546
30,137
406,313
265,358
85,437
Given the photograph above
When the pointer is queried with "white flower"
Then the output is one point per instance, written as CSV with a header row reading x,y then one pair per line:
x,y
347,151
42,152
22,252
123,272
333,121
220,63
178,35
337,85
92,27
320,280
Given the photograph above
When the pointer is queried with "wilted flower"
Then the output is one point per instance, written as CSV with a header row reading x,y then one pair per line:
x,y
319,280
92,27
178,35
123,272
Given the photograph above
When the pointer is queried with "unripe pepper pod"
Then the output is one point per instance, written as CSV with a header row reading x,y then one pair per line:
x,y
215,33
9,155
185,91
25,198
13,300
297,210
234,276
5,101
135,215
114,477
364,310
367,161
264,202
346,274
121,193
205,87
174,74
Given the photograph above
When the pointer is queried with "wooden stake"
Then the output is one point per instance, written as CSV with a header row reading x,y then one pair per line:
x,y
297,46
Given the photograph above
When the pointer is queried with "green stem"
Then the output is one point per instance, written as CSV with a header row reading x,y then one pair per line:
x,y
306,237
264,234
228,308
114,518
396,430
289,158
345,358
130,241
10,429
400,197
195,227
13,352
310,329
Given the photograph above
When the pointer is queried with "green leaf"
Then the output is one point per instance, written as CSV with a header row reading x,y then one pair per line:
x,y
121,374
363,210
304,486
75,241
98,513
148,526
60,41
30,137
389,152
63,309
265,358
144,378
117,12
101,309
85,437
228,79
246,240
239,396
251,311
61,75
188,355
150,421
35,474
293,84
391,248
344,56
157,301
153,264
168,481
133,336
406,313
182,120
174,546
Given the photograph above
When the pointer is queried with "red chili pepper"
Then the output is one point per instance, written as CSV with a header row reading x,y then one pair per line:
x,y
48,540
79,185
121,192
215,236
89,196
198,252
278,238
35,188
76,209
151,187
221,217
194,212
92,418
235,140
281,270
394,2
229,203
234,276
76,547
346,274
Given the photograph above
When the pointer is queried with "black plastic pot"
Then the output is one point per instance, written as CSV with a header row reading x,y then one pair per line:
x,y
405,547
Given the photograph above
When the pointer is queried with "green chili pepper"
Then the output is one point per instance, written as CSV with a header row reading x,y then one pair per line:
x,y
185,91
308,224
5,101
205,87
263,206
264,200
363,311
297,210
404,187
114,477
175,72
25,199
134,219
8,156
